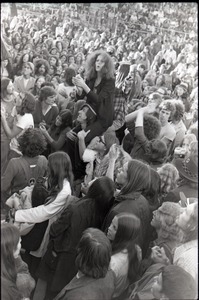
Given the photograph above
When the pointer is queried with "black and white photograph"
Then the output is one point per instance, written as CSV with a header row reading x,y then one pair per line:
x,y
99,151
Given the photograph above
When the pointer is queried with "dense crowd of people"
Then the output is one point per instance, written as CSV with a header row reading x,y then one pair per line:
x,y
99,153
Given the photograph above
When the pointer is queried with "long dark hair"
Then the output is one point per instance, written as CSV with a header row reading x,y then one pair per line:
x,y
60,168
108,69
93,253
4,84
126,237
66,117
138,175
9,239
102,192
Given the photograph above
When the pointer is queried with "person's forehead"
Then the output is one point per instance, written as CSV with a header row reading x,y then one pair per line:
x,y
165,110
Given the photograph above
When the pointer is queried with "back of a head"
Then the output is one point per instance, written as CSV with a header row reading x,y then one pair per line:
x,y
164,221
93,253
66,117
129,227
151,127
32,142
60,168
4,83
28,103
68,75
177,283
47,83
158,151
179,110
169,176
102,191
9,240
46,91
138,176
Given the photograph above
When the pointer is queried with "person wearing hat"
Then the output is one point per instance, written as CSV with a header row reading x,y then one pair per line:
x,y
46,110
188,184
25,106
25,82
186,254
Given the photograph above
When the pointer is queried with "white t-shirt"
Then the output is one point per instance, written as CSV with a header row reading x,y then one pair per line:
x,y
168,132
24,122
120,264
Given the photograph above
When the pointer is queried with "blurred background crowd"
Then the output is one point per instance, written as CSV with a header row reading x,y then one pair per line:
x,y
99,150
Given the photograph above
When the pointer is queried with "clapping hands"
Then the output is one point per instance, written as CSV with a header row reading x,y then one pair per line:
x,y
78,81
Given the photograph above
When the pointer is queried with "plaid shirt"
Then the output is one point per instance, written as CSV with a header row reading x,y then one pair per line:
x,y
120,109
120,161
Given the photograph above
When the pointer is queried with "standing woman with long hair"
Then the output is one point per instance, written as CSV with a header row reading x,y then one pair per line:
x,y
126,253
99,89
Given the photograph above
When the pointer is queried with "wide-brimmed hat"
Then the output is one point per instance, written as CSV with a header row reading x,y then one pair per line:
x,y
187,168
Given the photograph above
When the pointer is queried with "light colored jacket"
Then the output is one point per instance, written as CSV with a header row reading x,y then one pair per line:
x,y
43,212
19,84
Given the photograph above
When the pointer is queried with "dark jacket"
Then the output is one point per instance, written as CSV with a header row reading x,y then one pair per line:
x,y
88,288
136,204
49,117
187,189
65,234
102,100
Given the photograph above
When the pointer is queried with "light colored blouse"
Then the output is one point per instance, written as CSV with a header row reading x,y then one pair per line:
x,y
119,264
43,212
